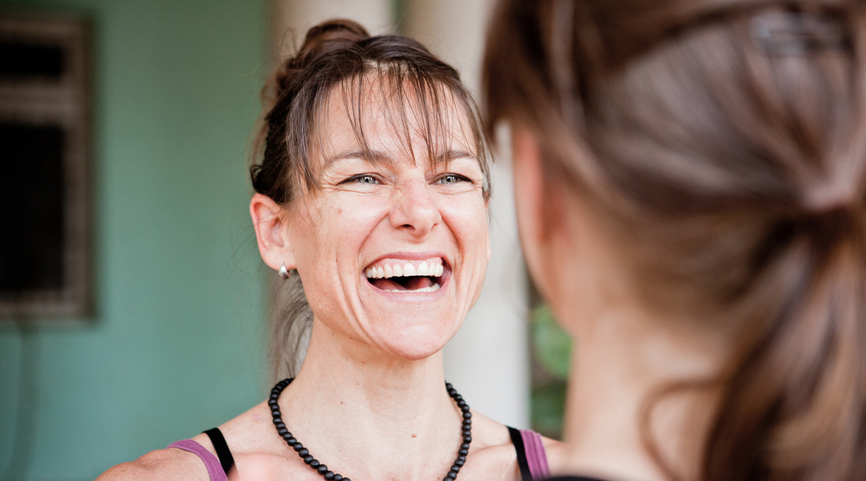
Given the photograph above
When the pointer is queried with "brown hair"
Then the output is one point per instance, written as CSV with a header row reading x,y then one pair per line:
x,y
341,54
723,145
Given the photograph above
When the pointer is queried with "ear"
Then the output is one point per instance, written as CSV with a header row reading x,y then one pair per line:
x,y
530,200
269,223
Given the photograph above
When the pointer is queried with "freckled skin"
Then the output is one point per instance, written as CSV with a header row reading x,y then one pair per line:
x,y
366,210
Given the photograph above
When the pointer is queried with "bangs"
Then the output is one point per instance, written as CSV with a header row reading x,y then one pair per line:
x,y
414,106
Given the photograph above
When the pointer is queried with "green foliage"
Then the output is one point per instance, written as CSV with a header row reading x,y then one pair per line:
x,y
552,345
548,404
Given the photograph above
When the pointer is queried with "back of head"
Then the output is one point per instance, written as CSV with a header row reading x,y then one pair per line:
x,y
339,56
723,145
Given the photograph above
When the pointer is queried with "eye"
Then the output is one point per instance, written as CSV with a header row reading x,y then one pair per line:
x,y
451,179
366,179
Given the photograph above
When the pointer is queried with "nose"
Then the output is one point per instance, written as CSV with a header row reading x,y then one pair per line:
x,y
414,209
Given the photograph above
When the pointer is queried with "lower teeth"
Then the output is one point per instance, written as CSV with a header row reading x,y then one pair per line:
x,y
433,288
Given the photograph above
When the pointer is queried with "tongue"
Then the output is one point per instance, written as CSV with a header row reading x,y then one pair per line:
x,y
412,283
388,285
418,283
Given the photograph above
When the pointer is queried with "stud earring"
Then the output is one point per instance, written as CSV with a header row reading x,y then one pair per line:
x,y
284,273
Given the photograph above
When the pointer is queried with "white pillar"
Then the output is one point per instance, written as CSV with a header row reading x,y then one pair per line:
x,y
488,360
290,19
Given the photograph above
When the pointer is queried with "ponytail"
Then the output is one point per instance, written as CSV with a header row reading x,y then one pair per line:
x,y
794,406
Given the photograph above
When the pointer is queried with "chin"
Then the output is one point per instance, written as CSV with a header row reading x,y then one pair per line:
x,y
415,345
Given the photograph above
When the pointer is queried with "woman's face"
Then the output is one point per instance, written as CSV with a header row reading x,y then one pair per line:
x,y
392,249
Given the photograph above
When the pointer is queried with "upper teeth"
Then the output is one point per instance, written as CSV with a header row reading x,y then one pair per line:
x,y
394,268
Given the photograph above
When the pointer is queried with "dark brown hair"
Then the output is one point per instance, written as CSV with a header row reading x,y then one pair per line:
x,y
341,56
723,145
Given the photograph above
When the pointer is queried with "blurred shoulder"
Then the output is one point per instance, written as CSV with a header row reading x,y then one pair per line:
x,y
163,464
556,453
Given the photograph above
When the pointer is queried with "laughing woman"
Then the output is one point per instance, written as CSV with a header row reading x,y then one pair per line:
x,y
371,203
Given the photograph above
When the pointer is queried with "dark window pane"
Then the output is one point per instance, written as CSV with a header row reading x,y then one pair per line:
x,y
22,60
31,207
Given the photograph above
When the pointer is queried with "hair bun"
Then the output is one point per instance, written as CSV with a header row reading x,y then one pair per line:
x,y
330,35
326,37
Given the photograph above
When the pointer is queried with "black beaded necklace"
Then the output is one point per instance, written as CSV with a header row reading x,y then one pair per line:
x,y
329,475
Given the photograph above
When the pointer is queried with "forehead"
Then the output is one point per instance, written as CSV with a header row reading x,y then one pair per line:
x,y
404,119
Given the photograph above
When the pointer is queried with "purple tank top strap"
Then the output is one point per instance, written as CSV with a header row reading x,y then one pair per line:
x,y
536,456
214,468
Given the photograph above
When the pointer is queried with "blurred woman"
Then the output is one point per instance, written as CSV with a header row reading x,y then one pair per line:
x,y
690,181
371,203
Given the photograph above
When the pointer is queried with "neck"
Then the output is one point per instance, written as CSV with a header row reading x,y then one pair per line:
x,y
619,365
370,415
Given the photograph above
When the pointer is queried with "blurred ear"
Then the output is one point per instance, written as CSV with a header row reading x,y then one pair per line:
x,y
271,233
529,201
547,216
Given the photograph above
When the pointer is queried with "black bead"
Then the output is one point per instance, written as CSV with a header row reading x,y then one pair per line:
x,y
292,441
467,439
464,446
467,432
455,469
465,410
458,398
281,426
329,476
461,403
288,436
304,453
314,464
275,395
338,477
281,431
467,422
277,420
463,451
322,469
460,462
309,459
451,475
461,458
298,447
467,414
346,479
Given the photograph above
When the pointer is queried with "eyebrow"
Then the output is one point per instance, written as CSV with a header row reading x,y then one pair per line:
x,y
377,156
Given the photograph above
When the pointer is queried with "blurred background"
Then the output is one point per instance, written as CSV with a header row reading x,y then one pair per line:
x,y
170,339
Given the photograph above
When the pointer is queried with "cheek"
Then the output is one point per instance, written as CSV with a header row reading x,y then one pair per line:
x,y
468,223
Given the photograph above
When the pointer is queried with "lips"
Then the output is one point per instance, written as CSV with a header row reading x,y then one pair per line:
x,y
405,275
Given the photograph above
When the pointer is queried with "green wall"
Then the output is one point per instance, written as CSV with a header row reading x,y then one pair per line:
x,y
175,344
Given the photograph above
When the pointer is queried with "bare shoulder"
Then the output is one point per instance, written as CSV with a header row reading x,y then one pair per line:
x,y
492,455
495,454
177,464
163,464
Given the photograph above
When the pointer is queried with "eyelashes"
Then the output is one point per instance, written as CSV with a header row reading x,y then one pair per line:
x,y
449,178
364,179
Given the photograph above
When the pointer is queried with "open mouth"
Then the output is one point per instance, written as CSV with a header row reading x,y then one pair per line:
x,y
410,276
